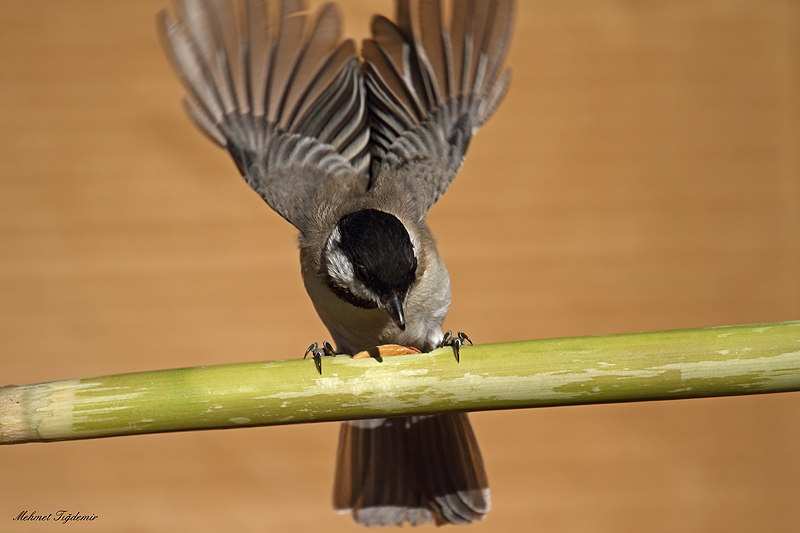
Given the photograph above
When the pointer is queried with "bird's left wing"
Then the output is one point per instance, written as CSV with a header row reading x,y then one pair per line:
x,y
430,87
287,100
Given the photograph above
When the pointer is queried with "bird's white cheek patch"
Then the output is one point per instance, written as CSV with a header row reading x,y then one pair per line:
x,y
339,267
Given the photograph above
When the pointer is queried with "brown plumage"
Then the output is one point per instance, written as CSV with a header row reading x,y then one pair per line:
x,y
413,469
323,136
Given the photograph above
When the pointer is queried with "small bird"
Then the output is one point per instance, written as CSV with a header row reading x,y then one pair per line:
x,y
353,148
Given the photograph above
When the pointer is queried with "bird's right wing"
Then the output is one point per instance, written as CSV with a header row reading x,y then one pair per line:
x,y
288,102
430,87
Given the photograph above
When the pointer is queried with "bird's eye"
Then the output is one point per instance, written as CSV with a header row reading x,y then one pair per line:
x,y
361,272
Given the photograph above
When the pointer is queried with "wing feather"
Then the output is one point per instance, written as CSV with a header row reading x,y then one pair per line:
x,y
288,103
287,55
257,47
317,47
430,87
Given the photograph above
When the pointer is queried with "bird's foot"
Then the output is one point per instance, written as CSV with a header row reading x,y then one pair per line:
x,y
456,341
317,353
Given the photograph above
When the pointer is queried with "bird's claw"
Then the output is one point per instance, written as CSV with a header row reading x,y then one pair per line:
x,y
456,341
317,353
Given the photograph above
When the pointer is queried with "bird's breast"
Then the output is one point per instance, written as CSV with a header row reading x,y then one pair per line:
x,y
355,329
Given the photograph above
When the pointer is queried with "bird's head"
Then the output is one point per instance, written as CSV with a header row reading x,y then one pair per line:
x,y
370,261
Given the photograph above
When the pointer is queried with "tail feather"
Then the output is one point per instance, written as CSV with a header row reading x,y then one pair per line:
x,y
417,470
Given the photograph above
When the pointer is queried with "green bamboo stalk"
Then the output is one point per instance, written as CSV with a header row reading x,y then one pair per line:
x,y
692,363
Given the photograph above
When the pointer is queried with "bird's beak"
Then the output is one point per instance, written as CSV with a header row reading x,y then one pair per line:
x,y
394,306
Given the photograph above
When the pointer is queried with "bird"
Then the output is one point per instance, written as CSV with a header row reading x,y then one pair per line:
x,y
353,145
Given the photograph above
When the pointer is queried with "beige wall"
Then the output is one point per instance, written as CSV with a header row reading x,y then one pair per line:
x,y
642,174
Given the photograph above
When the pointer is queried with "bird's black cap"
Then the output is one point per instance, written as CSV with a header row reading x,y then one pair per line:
x,y
379,247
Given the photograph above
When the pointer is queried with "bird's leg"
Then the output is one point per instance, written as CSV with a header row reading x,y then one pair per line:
x,y
317,353
456,341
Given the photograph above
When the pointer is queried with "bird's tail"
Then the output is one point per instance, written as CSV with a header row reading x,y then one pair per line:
x,y
416,469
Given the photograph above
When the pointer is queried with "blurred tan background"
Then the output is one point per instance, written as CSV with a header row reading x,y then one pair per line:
x,y
642,174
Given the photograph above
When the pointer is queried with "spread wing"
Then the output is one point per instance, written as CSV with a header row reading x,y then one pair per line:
x,y
430,88
286,100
